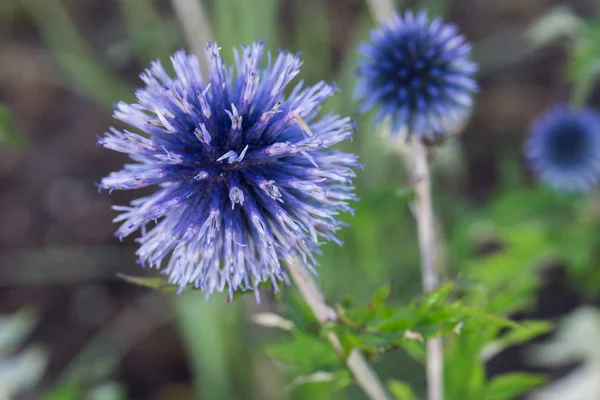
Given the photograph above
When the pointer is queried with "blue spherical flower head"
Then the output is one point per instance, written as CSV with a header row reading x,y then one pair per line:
x,y
419,73
564,148
245,175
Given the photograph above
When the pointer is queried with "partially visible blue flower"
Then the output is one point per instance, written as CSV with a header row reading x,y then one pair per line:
x,y
564,148
244,174
419,73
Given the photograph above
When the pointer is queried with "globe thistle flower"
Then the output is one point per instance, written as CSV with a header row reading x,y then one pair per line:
x,y
563,148
419,73
244,174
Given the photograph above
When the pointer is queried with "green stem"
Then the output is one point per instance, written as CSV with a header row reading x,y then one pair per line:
x,y
428,246
357,364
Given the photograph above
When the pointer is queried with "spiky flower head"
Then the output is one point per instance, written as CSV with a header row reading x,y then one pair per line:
x,y
244,174
419,73
563,148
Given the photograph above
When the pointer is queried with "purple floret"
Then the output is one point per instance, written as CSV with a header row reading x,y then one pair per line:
x,y
244,174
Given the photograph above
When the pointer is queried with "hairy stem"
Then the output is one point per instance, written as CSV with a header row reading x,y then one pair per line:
x,y
383,10
427,243
357,364
197,30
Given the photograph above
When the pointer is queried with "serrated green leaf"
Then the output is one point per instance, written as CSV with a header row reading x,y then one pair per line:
x,y
509,386
401,390
398,320
391,327
415,349
377,314
544,223
435,299
298,311
380,296
482,317
305,353
340,379
370,343
526,331
492,277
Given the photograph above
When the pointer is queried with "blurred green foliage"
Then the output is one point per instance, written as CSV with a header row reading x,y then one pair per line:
x,y
9,135
582,39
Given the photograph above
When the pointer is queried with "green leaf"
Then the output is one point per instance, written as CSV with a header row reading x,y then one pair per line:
x,y
211,333
435,299
492,277
8,133
379,326
340,379
298,311
414,349
463,369
401,390
525,332
370,343
156,283
480,316
305,354
508,386
380,296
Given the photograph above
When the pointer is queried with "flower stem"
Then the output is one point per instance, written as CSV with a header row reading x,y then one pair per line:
x,y
382,10
357,364
427,244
